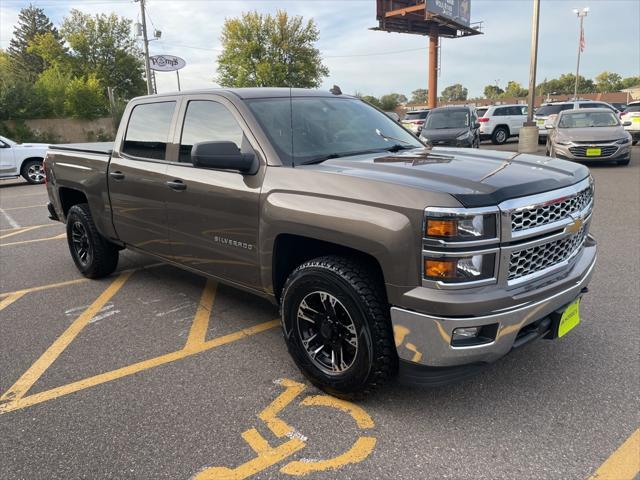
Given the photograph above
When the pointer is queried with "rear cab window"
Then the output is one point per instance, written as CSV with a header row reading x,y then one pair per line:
x,y
148,130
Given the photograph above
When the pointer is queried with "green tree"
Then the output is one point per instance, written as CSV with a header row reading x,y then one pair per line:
x,y
392,101
608,82
514,89
372,100
84,98
102,45
630,82
270,51
564,85
492,91
50,50
419,96
32,22
455,92
51,88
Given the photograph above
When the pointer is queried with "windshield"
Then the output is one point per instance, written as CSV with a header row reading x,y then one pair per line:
x,y
447,119
416,115
588,119
546,110
307,129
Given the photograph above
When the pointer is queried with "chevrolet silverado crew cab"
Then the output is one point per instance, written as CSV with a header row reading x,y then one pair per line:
x,y
383,254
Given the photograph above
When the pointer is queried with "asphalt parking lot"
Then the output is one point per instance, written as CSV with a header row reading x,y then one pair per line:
x,y
158,373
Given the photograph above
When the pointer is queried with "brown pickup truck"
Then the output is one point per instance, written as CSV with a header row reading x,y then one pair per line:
x,y
383,254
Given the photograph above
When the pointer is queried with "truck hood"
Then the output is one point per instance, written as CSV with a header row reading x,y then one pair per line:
x,y
476,178
32,145
592,134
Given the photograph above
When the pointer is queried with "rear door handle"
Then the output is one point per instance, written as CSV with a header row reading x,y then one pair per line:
x,y
117,175
177,185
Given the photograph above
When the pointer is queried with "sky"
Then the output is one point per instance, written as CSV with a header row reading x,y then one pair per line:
x,y
376,63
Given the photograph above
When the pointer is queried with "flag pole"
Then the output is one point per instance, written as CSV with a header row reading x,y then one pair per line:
x,y
581,14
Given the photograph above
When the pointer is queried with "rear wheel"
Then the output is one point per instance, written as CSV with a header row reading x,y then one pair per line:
x,y
337,327
500,135
32,171
94,255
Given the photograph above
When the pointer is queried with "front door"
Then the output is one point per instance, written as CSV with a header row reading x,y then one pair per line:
x,y
7,161
214,219
138,178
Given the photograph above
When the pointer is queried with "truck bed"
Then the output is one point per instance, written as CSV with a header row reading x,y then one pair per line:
x,y
95,147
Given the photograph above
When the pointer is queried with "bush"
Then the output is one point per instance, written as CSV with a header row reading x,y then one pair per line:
x,y
84,98
21,133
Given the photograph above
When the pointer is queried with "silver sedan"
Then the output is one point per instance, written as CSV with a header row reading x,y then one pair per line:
x,y
589,134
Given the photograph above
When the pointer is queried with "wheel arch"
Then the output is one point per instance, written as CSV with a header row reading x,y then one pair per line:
x,y
28,159
70,197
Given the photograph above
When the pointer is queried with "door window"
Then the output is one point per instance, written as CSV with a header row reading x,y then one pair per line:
x,y
148,130
500,112
207,121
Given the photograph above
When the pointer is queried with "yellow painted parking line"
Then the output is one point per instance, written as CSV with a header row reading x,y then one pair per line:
x,y
360,450
134,368
270,414
31,376
9,299
21,208
35,240
624,463
18,232
42,225
200,325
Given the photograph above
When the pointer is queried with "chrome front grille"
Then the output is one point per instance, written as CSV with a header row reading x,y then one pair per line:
x,y
539,215
605,151
538,258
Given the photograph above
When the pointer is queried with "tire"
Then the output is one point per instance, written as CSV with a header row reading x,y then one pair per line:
x,y
333,304
500,135
32,171
634,142
623,162
94,256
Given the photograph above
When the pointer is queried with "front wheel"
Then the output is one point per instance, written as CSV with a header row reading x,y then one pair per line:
x,y
33,172
336,324
94,255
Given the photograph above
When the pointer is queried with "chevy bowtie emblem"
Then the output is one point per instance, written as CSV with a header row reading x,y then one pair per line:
x,y
574,227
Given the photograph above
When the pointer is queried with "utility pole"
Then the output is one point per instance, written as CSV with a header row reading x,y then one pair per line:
x,y
581,14
433,68
145,39
528,138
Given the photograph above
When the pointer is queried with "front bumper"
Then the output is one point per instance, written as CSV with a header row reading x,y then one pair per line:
x,y
426,339
565,152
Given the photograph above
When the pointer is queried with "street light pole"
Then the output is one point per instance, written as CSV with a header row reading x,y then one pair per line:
x,y
145,39
581,14
528,138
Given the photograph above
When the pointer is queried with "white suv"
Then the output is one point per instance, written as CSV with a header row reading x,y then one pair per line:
x,y
632,114
22,159
500,122
543,113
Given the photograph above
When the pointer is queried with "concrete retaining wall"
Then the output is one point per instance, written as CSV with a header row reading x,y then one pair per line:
x,y
70,130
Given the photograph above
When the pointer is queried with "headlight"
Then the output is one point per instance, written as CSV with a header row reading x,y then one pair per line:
x,y
622,141
460,268
458,226
464,136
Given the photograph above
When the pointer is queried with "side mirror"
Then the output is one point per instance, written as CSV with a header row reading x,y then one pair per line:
x,y
223,156
626,124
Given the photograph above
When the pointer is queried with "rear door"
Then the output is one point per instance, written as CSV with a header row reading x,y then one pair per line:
x,y
138,176
214,219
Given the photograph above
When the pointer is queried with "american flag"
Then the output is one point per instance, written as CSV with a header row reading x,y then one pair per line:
x,y
582,43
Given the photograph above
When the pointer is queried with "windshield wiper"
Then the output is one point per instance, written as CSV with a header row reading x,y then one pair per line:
x,y
330,156
395,147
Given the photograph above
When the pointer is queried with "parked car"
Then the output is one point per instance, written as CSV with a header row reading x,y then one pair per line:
x,y
414,120
453,127
22,159
631,115
480,111
541,115
331,210
589,134
393,116
619,106
500,122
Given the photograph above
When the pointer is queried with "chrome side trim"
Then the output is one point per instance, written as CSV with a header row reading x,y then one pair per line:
x,y
71,165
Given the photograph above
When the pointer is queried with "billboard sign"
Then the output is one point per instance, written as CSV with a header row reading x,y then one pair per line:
x,y
458,11
166,63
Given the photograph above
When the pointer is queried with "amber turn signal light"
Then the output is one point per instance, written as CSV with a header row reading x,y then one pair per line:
x,y
440,268
442,228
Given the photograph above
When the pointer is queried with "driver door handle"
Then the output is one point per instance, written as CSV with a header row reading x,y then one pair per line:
x,y
117,175
177,185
